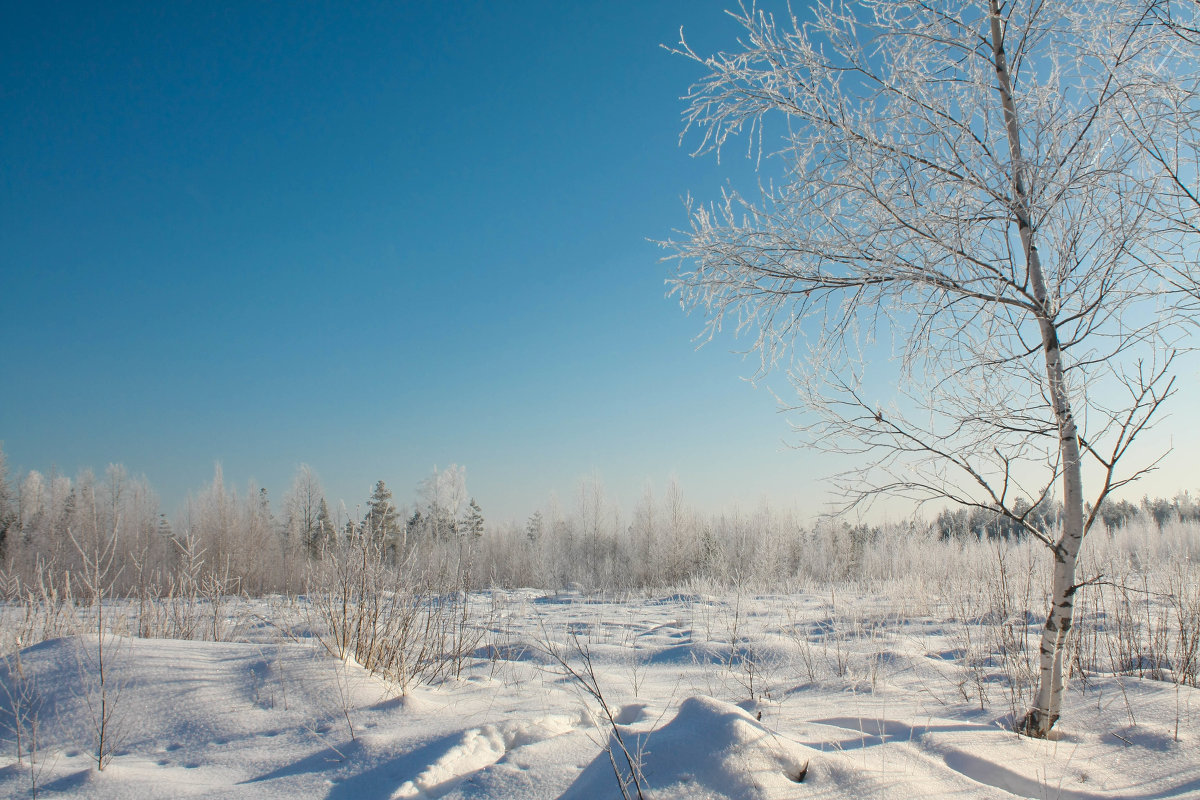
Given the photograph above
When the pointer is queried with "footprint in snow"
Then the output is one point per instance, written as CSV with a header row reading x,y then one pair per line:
x,y
634,712
479,748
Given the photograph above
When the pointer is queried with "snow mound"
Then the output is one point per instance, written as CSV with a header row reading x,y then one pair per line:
x,y
711,751
479,748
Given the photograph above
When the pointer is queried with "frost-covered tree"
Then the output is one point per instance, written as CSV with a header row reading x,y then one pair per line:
x,y
643,533
599,522
236,535
302,509
680,557
441,498
951,203
1166,123
262,536
208,520
141,547
31,502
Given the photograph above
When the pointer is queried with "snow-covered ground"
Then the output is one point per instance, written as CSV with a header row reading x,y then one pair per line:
x,y
821,695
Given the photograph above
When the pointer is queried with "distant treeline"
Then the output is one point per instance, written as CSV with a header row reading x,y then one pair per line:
x,y
986,523
250,543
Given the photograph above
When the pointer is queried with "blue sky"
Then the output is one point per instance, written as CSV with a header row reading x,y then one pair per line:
x,y
374,238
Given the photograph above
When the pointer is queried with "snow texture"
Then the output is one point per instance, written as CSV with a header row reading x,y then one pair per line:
x,y
882,714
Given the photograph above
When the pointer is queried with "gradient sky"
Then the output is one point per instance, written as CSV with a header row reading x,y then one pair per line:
x,y
374,238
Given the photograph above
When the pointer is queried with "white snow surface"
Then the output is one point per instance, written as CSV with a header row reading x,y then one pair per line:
x,y
714,697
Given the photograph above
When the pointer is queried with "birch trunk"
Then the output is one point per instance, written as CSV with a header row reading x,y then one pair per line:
x,y
1048,702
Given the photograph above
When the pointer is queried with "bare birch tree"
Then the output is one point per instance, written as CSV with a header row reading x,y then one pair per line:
x,y
952,250
302,507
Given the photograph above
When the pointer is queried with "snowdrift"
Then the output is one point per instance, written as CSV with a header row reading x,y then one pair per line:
x,y
874,708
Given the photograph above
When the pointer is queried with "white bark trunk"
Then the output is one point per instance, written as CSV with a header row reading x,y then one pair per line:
x,y
1048,702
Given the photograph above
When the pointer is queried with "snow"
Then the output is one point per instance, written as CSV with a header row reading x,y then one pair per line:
x,y
719,696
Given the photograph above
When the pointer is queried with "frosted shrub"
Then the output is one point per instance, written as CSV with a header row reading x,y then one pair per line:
x,y
398,621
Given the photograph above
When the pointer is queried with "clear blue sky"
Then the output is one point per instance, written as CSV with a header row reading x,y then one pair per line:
x,y
374,238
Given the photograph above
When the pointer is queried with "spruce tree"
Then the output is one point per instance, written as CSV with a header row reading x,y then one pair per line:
x,y
322,534
8,505
534,527
473,524
417,524
382,520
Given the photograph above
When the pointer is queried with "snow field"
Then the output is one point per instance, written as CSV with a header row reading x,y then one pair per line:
x,y
724,695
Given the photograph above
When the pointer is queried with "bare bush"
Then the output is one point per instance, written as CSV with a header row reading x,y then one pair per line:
x,y
574,661
101,688
25,706
397,621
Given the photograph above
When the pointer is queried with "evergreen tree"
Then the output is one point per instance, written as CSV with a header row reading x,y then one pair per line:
x,y
416,524
261,521
534,527
323,532
8,505
67,517
473,524
382,520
